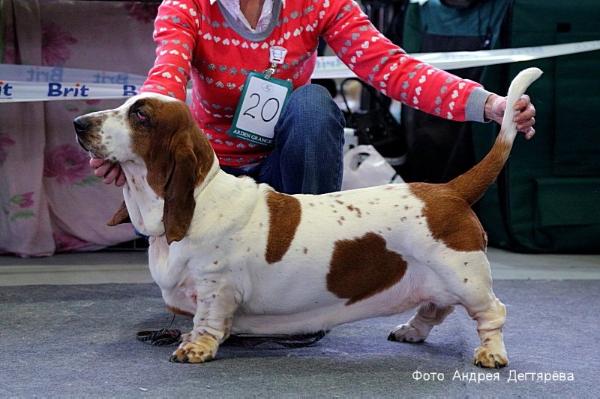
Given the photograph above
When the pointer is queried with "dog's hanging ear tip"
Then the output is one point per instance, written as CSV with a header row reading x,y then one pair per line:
x,y
112,222
120,216
174,237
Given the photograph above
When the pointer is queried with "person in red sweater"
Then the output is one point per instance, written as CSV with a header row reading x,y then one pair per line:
x,y
218,43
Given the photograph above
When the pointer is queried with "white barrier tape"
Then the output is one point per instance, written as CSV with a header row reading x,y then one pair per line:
x,y
469,59
19,83
33,73
12,92
331,66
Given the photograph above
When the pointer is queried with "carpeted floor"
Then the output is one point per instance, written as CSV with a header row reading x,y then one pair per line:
x,y
79,341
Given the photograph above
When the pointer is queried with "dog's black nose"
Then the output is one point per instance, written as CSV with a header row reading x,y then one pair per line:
x,y
81,124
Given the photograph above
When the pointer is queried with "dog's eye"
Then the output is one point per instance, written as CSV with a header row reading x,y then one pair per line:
x,y
141,116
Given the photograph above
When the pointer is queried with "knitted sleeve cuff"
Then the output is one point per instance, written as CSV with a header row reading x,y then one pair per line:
x,y
475,108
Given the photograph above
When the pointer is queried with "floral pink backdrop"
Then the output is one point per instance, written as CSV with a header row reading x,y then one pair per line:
x,y
49,199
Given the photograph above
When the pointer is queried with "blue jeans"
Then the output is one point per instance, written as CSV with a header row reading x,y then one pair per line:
x,y
308,146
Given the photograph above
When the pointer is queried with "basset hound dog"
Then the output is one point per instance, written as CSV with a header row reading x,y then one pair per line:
x,y
240,257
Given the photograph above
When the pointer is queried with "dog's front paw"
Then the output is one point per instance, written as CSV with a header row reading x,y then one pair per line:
x,y
199,350
406,333
487,357
185,338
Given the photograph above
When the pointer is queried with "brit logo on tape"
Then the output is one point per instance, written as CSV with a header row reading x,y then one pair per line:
x,y
56,89
6,89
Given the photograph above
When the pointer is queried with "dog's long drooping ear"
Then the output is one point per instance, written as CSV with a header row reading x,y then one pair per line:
x,y
120,216
179,189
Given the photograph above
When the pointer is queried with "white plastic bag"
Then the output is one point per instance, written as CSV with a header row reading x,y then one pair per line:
x,y
365,167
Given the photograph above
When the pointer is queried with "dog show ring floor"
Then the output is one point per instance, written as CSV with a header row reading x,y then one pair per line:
x,y
75,336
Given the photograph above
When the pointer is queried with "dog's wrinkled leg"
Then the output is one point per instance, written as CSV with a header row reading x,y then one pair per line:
x,y
216,305
477,296
418,327
491,352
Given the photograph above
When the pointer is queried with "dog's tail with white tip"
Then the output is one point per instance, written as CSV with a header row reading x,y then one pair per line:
x,y
472,184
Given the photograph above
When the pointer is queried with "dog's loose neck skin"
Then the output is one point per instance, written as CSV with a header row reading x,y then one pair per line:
x,y
144,205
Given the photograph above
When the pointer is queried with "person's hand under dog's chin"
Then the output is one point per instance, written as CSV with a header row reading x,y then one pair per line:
x,y
109,172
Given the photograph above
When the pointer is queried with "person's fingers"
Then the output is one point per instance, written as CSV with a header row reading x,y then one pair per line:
x,y
95,162
525,115
520,106
522,103
530,133
108,171
525,125
112,174
103,169
120,181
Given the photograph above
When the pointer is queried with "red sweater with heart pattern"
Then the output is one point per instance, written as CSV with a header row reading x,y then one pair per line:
x,y
199,40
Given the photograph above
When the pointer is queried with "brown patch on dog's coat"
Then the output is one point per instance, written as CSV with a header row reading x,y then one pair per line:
x,y
285,213
363,267
450,218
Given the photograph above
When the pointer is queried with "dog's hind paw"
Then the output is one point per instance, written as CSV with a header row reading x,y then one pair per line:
x,y
488,358
406,333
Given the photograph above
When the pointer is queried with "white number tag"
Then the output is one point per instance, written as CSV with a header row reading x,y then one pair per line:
x,y
259,108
